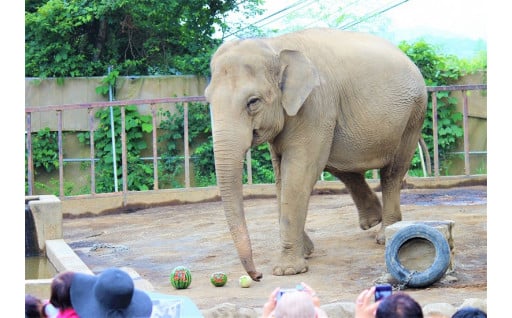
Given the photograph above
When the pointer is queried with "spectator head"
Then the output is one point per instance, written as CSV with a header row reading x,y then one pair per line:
x,y
33,306
469,312
296,304
109,294
60,290
399,305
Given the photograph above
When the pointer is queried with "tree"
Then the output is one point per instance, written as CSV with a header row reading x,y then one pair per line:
x,y
70,38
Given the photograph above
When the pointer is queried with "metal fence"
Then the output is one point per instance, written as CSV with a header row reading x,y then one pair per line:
x,y
91,107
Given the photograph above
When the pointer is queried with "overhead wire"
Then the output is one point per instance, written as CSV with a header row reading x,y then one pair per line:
x,y
291,6
302,4
371,15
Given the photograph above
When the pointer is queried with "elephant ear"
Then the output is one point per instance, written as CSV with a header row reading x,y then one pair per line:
x,y
298,77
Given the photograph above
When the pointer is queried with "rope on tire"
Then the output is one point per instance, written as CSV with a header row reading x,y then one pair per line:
x,y
402,286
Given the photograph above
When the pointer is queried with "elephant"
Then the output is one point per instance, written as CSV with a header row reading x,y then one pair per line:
x,y
324,100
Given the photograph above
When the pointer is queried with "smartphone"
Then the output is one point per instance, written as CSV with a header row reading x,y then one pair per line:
x,y
282,291
382,291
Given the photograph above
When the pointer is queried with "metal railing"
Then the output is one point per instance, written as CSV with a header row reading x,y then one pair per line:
x,y
59,109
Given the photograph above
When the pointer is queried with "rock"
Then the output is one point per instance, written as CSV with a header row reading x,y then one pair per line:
x,y
443,309
340,309
229,310
475,302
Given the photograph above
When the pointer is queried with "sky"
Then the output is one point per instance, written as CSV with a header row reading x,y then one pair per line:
x,y
409,20
461,17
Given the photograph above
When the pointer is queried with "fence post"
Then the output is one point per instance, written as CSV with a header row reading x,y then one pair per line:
x,y
465,114
185,145
61,154
92,152
434,133
155,150
30,161
124,156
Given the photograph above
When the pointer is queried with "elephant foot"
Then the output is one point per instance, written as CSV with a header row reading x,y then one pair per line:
x,y
309,247
381,237
370,221
291,268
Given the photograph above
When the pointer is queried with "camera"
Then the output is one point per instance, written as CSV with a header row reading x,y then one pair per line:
x,y
382,291
281,292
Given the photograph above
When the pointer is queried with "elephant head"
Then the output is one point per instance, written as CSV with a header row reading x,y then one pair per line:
x,y
253,88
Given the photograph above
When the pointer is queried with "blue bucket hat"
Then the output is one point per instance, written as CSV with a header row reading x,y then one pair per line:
x,y
109,294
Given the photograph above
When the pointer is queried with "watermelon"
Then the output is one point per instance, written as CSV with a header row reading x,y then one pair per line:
x,y
180,277
219,279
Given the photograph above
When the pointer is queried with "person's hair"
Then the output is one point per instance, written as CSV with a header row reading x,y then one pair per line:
x,y
60,296
297,304
33,306
399,305
469,312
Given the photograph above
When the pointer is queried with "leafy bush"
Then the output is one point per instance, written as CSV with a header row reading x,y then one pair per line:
x,y
45,150
140,174
438,70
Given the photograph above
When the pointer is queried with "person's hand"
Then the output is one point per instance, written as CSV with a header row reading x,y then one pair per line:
x,y
312,293
270,305
365,307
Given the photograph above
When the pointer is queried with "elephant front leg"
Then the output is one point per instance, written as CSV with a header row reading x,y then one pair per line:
x,y
296,244
309,247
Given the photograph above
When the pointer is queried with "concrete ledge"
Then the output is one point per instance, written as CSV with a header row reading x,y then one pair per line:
x,y
47,213
64,258
97,204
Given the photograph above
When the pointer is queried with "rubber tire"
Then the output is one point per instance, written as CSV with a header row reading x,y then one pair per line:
x,y
431,274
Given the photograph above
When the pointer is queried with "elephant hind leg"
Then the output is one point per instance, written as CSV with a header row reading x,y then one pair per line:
x,y
392,175
365,199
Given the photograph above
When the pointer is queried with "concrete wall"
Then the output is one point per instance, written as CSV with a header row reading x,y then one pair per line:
x,y
83,90
477,128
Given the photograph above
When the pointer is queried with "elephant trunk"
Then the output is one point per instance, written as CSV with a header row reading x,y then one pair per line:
x,y
229,166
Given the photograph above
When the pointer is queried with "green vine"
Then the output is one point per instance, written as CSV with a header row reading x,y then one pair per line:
x,y
45,150
139,173
437,70
200,139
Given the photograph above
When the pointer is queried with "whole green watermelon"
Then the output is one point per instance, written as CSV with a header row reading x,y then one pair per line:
x,y
219,279
180,277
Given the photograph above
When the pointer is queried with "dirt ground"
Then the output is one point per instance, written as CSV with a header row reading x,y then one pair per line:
x,y
346,259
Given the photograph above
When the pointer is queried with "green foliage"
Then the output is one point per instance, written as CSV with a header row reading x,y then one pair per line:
x,y
199,137
439,70
261,162
53,187
140,174
70,38
45,150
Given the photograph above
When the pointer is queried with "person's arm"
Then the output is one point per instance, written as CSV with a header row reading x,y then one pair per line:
x,y
270,305
365,307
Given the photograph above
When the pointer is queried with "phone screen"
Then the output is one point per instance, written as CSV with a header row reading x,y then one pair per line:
x,y
383,291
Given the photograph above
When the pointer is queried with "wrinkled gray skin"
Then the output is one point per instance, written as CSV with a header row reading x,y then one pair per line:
x,y
323,99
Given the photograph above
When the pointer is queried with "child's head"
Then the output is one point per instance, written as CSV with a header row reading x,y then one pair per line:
x,y
295,304
33,306
60,296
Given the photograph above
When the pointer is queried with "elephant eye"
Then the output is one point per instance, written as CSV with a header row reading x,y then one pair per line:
x,y
252,101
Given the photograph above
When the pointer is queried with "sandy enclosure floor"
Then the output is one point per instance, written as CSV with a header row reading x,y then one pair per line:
x,y
346,259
